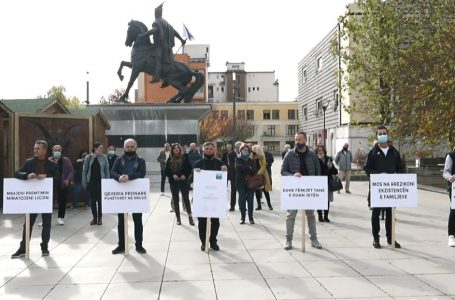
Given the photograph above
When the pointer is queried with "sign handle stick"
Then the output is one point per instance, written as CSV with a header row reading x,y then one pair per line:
x,y
394,212
125,224
27,236
207,234
303,229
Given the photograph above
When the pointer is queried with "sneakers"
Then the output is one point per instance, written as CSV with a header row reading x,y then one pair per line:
x,y
162,194
40,224
376,244
451,241
397,245
118,250
44,250
19,253
214,246
60,221
288,245
141,250
231,209
315,244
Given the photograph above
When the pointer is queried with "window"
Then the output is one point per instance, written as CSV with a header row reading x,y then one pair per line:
x,y
305,112
241,114
224,113
251,130
319,64
250,114
210,92
249,89
215,114
291,114
254,88
292,129
222,89
270,130
305,75
275,114
257,89
266,114
335,100
318,107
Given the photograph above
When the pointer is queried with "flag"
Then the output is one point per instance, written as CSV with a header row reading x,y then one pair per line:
x,y
187,34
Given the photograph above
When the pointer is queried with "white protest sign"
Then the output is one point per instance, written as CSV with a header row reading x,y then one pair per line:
x,y
393,190
32,196
210,194
305,192
453,196
125,197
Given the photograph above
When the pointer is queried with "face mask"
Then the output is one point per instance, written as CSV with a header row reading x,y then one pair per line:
x,y
245,154
111,152
345,148
209,156
383,138
300,146
130,153
57,154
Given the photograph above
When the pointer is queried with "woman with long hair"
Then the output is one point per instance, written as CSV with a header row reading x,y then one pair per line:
x,y
178,169
245,166
259,158
327,169
96,167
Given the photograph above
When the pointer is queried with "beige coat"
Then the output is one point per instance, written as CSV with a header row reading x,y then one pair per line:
x,y
263,171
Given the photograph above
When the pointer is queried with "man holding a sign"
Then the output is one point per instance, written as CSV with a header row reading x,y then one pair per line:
x,y
38,167
211,163
382,159
449,175
128,167
298,162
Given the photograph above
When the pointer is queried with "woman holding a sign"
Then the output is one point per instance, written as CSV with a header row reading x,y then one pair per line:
x,y
245,167
178,169
96,167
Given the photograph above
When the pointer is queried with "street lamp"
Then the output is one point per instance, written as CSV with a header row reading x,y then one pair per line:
x,y
324,108
88,90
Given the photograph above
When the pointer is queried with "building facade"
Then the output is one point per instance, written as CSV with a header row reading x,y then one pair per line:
x,y
274,124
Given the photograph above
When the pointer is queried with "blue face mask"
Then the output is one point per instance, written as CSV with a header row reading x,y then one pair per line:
x,y
245,154
57,154
383,138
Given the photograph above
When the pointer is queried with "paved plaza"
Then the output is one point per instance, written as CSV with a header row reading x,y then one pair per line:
x,y
251,263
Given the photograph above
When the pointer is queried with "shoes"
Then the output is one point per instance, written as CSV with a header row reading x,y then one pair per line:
x,y
19,253
44,250
40,224
270,208
451,241
288,245
315,243
191,221
321,219
162,194
100,221
242,221
214,246
326,219
397,245
252,221
171,210
231,209
93,222
376,244
179,222
118,250
60,221
348,192
202,247
259,208
339,192
141,250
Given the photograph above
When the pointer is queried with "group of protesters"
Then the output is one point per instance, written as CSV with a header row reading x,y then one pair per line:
x,y
241,161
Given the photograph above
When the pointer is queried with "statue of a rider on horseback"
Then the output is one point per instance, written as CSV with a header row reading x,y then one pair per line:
x,y
157,59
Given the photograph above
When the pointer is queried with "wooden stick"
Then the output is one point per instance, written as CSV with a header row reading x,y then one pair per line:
x,y
303,229
27,236
207,234
125,226
394,212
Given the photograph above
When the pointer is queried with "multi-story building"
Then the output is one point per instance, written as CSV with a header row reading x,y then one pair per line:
x,y
197,57
246,86
320,104
274,124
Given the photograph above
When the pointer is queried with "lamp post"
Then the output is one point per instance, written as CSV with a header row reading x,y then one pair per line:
x,y
234,120
88,90
324,108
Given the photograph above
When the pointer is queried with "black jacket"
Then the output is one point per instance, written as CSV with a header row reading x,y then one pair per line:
x,y
213,164
139,169
30,167
186,169
243,168
377,162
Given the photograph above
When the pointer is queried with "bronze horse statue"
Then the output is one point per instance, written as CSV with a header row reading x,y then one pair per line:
x,y
176,74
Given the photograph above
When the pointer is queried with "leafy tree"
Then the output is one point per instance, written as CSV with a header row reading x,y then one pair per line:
x,y
58,92
113,98
220,127
399,55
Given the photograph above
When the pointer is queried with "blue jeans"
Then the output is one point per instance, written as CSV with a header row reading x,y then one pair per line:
x,y
77,188
246,196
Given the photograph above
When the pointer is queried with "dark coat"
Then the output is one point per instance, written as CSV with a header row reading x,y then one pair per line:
x,y
186,169
30,167
242,169
119,165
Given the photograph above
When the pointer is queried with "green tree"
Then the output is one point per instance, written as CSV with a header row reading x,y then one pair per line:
x,y
58,92
399,55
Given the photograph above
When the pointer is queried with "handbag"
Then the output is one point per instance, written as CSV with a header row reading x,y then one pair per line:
x,y
255,182
335,183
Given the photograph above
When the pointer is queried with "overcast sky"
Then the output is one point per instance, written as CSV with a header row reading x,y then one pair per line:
x,y
53,42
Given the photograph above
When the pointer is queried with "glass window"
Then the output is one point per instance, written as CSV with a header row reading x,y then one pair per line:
x,y
250,114
270,130
305,112
275,114
210,91
241,114
266,114
292,129
224,113
291,114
